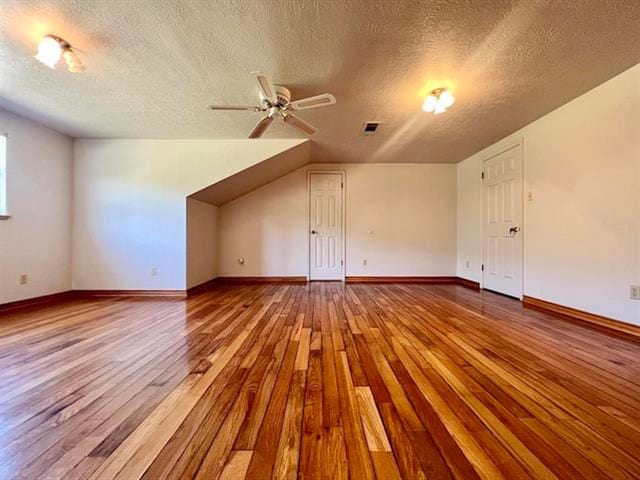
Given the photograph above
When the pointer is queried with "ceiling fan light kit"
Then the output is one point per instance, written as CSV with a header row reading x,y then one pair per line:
x,y
275,101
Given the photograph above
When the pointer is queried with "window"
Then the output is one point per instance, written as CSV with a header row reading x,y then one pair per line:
x,y
3,175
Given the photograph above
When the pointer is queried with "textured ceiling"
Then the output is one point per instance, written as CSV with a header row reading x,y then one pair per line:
x,y
154,65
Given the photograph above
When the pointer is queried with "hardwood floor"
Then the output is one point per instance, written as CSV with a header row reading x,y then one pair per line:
x,y
314,381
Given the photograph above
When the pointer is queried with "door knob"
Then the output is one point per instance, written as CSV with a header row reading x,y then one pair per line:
x,y
313,232
514,230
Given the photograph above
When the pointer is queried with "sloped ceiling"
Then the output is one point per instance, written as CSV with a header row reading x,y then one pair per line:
x,y
154,65
255,176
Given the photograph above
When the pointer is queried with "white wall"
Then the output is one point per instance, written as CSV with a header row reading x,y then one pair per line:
x,y
130,208
36,240
582,228
202,242
469,217
400,217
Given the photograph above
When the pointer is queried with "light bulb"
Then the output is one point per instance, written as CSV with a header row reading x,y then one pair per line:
x,y
446,99
49,51
430,103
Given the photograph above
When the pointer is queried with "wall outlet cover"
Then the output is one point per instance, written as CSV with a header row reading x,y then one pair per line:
x,y
634,292
24,279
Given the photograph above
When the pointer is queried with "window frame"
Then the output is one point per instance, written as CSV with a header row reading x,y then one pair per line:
x,y
4,215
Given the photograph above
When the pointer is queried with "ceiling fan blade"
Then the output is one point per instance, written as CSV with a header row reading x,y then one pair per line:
x,y
312,102
234,107
261,127
297,122
266,87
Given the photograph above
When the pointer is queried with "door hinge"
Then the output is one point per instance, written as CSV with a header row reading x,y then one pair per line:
x,y
341,184
341,262
482,267
482,175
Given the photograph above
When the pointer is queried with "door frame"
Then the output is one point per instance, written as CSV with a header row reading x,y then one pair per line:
x,y
519,144
343,175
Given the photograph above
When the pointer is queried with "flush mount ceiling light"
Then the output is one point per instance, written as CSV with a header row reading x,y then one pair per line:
x,y
438,101
52,48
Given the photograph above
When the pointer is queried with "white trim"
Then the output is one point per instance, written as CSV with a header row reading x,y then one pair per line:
x,y
343,174
506,148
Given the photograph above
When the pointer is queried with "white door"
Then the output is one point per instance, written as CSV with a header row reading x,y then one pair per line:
x,y
502,222
325,226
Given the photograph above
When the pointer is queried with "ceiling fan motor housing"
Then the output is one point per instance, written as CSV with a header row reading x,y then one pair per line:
x,y
283,94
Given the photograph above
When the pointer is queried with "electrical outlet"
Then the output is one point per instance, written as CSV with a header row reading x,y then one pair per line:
x,y
364,262
24,279
154,271
241,260
634,292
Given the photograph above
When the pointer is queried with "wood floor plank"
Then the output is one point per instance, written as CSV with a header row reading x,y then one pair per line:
x,y
312,429
266,447
302,359
288,456
385,465
359,459
236,467
213,463
322,380
373,429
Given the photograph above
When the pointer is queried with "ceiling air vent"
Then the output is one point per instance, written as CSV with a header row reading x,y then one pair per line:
x,y
370,128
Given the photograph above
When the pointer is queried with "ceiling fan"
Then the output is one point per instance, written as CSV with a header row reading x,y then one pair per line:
x,y
275,100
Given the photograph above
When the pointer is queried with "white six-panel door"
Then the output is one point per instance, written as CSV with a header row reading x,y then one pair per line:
x,y
502,222
325,226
